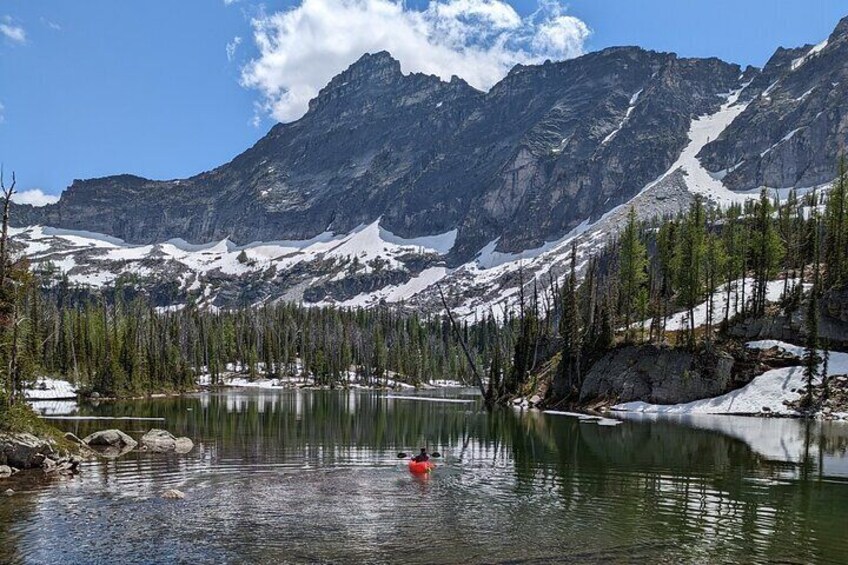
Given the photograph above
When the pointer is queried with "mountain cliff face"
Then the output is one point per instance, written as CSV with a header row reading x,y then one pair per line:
x,y
545,149
796,124
361,194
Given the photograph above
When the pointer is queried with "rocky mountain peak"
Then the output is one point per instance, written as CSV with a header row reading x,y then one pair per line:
x,y
548,149
372,70
373,66
841,30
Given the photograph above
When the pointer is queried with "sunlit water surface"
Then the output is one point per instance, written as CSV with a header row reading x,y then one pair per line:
x,y
297,476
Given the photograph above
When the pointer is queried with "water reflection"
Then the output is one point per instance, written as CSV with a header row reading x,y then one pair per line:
x,y
305,476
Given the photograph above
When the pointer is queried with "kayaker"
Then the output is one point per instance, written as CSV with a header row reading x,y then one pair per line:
x,y
421,457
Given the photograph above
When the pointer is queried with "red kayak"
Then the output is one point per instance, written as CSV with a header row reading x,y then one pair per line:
x,y
421,467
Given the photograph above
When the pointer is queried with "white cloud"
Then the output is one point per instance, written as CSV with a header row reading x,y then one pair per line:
x,y
229,2
36,197
12,31
232,46
2,113
301,49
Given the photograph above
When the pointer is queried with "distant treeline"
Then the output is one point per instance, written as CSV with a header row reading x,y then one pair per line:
x,y
115,342
122,347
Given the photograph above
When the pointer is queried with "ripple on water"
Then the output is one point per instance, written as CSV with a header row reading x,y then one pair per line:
x,y
314,477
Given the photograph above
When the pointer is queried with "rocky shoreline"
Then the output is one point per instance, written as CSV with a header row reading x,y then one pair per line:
x,y
761,378
24,451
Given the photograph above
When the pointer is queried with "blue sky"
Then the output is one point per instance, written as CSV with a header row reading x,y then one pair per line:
x,y
102,87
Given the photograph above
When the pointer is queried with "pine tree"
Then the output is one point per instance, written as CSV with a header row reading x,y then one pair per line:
x,y
568,379
811,358
836,230
767,251
632,275
689,263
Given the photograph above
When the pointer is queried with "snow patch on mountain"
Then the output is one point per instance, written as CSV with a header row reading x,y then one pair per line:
x,y
630,108
815,50
701,131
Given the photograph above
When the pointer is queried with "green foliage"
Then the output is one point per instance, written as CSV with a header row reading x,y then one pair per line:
x,y
836,228
632,274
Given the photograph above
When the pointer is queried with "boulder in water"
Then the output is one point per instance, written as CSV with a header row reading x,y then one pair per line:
x,y
161,441
110,443
173,494
110,438
5,471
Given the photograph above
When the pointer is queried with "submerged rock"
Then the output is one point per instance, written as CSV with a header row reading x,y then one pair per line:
x,y
110,443
161,441
173,494
8,492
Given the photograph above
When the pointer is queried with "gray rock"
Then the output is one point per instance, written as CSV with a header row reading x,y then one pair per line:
x,y
161,441
23,451
8,492
659,375
5,471
74,439
173,494
183,445
110,438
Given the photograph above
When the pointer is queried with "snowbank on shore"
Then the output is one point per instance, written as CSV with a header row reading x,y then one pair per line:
x,y
768,393
353,381
46,388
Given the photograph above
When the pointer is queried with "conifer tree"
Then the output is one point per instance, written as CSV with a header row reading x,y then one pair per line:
x,y
632,275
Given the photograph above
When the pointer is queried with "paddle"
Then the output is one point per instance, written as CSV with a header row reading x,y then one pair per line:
x,y
434,455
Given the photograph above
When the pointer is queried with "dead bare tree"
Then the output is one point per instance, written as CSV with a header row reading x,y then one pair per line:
x,y
477,376
4,238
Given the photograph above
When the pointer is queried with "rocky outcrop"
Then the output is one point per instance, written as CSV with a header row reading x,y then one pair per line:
x,y
796,123
659,375
162,441
827,401
834,305
792,327
23,450
26,451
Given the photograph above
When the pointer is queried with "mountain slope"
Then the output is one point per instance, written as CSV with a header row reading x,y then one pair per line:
x,y
792,131
391,182
558,143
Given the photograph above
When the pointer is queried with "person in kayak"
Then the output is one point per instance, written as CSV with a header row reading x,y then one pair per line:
x,y
421,457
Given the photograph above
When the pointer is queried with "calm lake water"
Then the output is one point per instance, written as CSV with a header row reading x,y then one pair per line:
x,y
289,476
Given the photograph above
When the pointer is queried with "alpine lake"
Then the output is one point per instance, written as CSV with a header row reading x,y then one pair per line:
x,y
281,476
